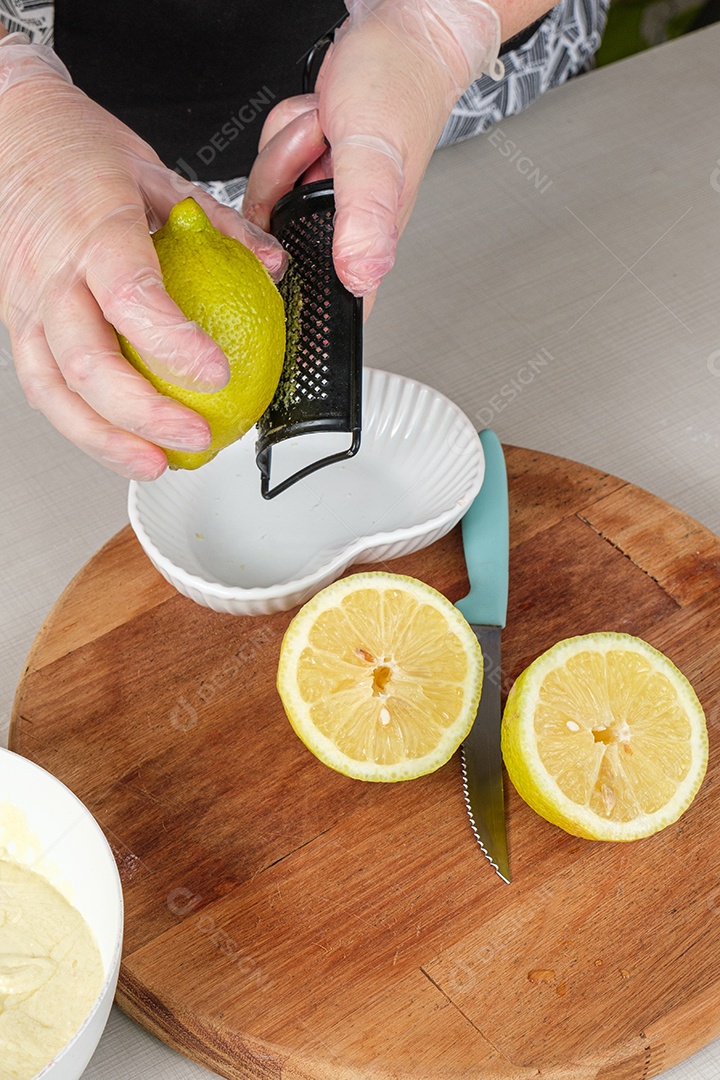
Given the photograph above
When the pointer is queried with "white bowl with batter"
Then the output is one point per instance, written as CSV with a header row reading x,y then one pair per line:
x,y
44,828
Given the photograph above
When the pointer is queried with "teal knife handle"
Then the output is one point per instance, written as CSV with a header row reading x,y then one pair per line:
x,y
486,541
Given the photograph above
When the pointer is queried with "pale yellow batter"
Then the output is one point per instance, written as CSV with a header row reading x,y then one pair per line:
x,y
50,971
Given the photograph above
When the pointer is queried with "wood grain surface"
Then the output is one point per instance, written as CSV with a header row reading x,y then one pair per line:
x,y
286,922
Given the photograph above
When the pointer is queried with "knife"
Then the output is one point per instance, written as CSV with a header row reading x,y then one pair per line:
x,y
485,534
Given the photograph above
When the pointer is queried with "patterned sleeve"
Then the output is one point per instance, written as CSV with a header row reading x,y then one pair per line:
x,y
34,17
563,45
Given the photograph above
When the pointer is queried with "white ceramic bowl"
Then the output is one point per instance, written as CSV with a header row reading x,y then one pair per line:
x,y
211,534
61,840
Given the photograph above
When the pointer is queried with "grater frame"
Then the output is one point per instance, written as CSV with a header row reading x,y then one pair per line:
x,y
320,389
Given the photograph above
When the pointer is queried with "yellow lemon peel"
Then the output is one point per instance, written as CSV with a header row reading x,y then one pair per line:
x,y
220,284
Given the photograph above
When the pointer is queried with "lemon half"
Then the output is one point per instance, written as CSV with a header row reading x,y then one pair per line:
x,y
603,736
220,284
380,676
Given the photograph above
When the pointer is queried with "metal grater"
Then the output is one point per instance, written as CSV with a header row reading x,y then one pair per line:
x,y
320,389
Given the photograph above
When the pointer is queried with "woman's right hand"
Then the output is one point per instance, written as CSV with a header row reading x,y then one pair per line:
x,y
79,193
385,90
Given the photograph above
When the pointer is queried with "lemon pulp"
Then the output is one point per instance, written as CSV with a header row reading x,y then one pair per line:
x,y
380,676
603,736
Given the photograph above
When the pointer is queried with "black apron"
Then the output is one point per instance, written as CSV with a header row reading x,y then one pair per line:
x,y
194,78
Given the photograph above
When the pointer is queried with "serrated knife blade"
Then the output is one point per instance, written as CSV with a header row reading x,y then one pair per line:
x,y
485,533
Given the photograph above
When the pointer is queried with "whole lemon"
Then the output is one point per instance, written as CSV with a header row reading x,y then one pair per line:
x,y
220,284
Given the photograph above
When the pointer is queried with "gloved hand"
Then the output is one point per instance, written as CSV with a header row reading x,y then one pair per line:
x,y
79,192
384,93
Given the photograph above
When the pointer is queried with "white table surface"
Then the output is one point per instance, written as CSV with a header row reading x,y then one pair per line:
x,y
563,289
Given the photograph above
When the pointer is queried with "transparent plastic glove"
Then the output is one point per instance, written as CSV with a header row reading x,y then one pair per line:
x,y
384,93
79,192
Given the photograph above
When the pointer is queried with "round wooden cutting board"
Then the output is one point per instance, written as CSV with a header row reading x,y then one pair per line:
x,y
285,921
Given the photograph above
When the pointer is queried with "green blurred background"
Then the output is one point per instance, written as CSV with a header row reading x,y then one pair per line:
x,y
634,25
